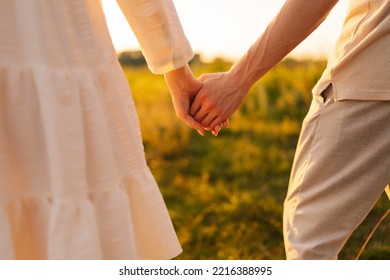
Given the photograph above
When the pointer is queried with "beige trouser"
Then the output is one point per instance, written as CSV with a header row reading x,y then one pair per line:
x,y
341,167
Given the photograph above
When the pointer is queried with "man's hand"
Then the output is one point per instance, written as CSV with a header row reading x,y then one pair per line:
x,y
217,100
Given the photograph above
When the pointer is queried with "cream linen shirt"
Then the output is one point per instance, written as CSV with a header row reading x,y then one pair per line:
x,y
159,32
359,66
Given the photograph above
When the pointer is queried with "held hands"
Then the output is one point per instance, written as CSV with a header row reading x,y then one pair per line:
x,y
207,103
217,100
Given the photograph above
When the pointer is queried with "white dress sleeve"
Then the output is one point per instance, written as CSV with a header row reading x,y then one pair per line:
x,y
156,25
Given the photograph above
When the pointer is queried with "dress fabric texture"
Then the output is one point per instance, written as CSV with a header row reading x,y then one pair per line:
x,y
74,183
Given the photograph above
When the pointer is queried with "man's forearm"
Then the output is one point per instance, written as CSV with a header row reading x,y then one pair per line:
x,y
296,20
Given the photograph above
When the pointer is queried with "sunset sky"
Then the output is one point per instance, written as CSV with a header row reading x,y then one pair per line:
x,y
227,28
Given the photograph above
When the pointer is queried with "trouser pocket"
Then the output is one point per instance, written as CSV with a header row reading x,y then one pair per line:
x,y
326,94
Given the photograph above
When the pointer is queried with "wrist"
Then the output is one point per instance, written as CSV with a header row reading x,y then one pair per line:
x,y
240,79
181,78
179,75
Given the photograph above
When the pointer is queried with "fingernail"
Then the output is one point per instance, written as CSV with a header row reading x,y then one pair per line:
x,y
201,132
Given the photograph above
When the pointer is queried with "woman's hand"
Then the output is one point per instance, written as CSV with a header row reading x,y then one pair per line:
x,y
184,87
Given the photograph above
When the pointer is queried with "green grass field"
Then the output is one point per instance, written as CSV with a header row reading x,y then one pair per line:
x,y
225,193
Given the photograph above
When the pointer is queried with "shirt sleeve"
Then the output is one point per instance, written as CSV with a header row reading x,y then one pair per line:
x,y
156,25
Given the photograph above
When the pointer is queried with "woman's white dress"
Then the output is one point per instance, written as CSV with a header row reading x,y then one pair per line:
x,y
74,183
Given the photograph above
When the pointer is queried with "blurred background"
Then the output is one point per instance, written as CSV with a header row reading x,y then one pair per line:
x,y
225,194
